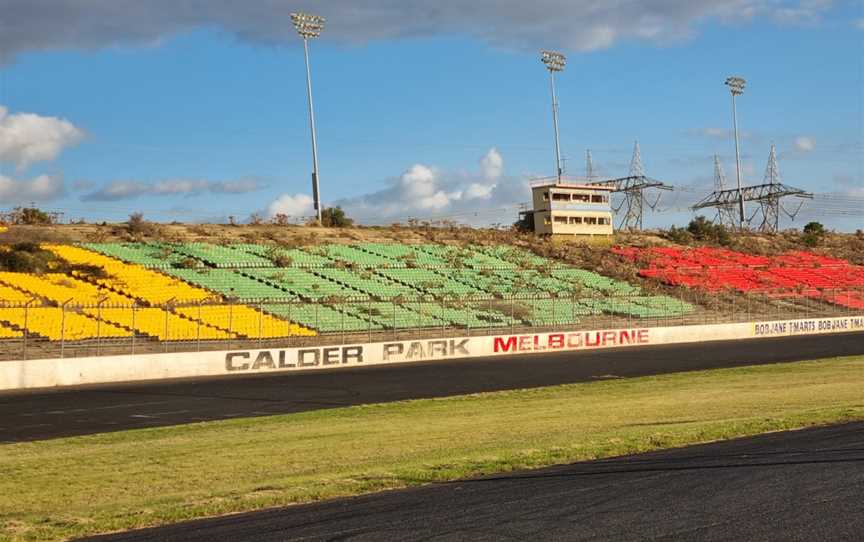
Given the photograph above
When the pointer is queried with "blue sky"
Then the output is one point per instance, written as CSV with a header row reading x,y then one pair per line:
x,y
442,114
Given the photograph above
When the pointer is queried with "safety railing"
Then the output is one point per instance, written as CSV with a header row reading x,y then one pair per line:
x,y
36,329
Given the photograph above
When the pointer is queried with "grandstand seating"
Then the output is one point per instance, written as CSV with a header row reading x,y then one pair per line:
x,y
56,324
367,282
221,256
324,318
12,296
303,283
243,321
790,275
191,291
61,288
133,281
154,256
292,257
232,284
163,325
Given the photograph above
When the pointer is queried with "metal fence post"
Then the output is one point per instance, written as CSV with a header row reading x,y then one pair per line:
x,y
231,316
198,328
63,328
342,322
260,326
134,329
166,308
26,326
99,326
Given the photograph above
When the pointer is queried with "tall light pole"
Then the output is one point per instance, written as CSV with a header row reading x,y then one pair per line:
x,y
736,87
309,27
555,62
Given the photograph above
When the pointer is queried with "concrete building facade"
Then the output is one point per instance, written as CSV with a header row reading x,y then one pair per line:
x,y
567,209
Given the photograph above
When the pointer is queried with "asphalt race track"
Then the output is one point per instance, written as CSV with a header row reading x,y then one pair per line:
x,y
37,415
799,485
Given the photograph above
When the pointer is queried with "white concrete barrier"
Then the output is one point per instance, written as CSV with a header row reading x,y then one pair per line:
x,y
48,373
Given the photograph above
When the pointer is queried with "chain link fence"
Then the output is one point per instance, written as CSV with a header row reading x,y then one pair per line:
x,y
36,330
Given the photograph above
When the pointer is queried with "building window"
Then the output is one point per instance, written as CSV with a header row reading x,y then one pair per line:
x,y
575,219
560,219
592,220
546,196
596,199
560,197
581,197
546,221
605,221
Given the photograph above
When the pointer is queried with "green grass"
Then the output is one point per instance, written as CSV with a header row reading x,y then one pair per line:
x,y
84,485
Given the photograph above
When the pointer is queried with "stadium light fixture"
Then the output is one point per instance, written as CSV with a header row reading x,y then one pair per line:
x,y
554,62
736,87
309,27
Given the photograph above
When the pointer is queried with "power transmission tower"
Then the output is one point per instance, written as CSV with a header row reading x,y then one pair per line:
x,y
634,201
633,187
771,206
725,214
769,195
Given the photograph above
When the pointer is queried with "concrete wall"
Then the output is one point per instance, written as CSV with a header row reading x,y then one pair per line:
x,y
50,373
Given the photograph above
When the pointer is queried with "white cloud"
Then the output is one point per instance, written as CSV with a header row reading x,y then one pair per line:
x,y
298,205
129,189
492,165
804,144
802,12
41,188
27,138
423,191
576,25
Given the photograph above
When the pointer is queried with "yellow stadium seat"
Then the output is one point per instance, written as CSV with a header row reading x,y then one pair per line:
x,y
244,321
152,321
55,324
9,333
61,288
11,296
132,280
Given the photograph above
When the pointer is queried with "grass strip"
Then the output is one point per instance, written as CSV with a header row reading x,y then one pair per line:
x,y
83,485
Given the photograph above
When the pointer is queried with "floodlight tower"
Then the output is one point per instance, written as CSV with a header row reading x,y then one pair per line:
x,y
554,62
736,87
309,27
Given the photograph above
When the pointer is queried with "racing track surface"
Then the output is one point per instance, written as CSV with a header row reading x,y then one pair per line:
x,y
37,415
799,485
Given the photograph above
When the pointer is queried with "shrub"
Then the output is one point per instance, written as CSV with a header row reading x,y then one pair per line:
x,y
814,232
282,260
703,229
137,226
334,217
30,216
187,263
679,235
280,219
525,222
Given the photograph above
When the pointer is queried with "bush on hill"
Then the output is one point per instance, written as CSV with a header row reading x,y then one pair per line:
x,y
704,230
814,232
30,216
334,217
